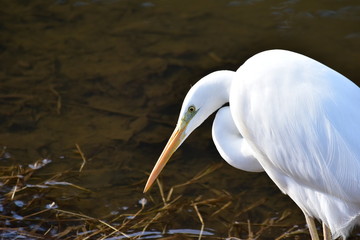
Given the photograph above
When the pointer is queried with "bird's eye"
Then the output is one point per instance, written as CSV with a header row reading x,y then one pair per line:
x,y
191,109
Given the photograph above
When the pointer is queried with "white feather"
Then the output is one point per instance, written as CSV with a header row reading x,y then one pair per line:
x,y
303,120
231,145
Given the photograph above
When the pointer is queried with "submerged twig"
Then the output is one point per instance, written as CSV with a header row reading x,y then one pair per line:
x,y
196,178
58,101
3,150
222,208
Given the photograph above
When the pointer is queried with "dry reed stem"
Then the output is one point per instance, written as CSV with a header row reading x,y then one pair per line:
x,y
250,232
82,155
201,220
86,227
290,232
14,190
113,228
161,191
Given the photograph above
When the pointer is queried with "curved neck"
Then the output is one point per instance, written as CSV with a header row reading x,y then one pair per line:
x,y
221,84
217,90
207,95
231,145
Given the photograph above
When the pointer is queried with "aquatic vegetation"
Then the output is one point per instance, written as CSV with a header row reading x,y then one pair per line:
x,y
28,209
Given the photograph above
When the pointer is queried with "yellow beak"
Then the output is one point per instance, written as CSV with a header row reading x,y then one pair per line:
x,y
171,146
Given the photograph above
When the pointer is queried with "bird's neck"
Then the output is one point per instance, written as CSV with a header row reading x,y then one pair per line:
x,y
209,94
214,90
219,83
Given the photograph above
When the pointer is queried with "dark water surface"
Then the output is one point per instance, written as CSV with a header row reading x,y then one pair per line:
x,y
110,76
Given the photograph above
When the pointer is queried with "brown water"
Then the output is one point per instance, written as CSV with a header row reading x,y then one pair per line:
x,y
110,76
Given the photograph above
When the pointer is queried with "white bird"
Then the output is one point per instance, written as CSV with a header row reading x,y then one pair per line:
x,y
292,117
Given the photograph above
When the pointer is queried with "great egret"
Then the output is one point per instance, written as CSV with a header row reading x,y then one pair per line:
x,y
292,117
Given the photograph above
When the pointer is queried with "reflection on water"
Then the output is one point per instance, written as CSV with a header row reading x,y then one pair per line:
x,y
110,76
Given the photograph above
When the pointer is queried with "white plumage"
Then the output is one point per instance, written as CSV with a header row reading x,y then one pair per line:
x,y
292,117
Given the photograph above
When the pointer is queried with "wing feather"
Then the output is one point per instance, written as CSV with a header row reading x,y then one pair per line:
x,y
303,119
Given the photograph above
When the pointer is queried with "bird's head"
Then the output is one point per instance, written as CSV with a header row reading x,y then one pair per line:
x,y
205,97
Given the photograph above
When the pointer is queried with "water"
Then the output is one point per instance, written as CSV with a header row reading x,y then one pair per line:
x,y
110,76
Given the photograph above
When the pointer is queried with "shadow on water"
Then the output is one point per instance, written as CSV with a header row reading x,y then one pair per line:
x,y
100,83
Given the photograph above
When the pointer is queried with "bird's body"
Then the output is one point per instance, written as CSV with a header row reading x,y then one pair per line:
x,y
292,117
303,121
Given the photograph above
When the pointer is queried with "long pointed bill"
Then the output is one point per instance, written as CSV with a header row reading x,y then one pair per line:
x,y
171,146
